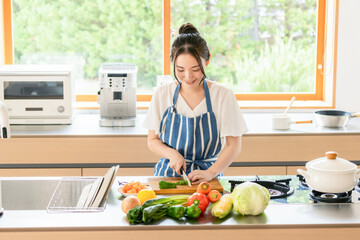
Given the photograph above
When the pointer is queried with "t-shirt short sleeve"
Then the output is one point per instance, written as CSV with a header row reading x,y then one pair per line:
x,y
153,117
232,120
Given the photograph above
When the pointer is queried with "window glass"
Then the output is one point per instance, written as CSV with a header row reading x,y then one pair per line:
x,y
33,90
88,33
256,45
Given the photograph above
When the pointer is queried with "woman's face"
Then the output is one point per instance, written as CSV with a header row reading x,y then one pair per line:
x,y
188,71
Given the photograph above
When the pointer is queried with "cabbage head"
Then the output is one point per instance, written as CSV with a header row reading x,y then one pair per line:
x,y
250,198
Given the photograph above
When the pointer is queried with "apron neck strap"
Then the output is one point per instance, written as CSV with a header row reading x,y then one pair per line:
x,y
207,96
176,94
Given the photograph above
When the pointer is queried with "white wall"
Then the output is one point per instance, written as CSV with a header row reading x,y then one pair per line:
x,y
348,56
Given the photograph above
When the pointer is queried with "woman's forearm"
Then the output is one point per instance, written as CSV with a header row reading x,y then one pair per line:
x,y
155,145
228,155
159,148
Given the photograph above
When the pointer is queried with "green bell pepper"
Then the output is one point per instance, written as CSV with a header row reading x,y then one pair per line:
x,y
182,182
164,185
177,211
192,211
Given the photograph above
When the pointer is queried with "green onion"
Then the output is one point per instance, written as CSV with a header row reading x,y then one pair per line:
x,y
169,201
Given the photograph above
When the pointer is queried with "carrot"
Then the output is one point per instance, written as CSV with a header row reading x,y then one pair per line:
x,y
126,188
214,196
132,191
204,187
133,187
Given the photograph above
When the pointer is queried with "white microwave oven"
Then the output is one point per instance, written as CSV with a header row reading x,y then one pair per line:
x,y
37,94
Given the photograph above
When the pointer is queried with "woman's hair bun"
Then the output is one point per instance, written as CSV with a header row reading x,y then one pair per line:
x,y
188,28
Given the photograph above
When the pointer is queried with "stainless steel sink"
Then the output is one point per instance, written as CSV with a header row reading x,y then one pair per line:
x,y
29,194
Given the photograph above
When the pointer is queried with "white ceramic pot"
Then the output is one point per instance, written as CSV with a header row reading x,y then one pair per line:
x,y
331,174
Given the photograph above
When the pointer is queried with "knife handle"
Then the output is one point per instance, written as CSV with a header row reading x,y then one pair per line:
x,y
182,170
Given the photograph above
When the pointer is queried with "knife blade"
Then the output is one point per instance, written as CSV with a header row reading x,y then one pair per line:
x,y
185,177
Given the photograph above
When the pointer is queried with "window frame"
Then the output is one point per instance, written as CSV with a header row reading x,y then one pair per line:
x,y
259,98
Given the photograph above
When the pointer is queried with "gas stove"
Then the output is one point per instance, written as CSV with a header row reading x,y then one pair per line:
x,y
321,197
293,189
279,188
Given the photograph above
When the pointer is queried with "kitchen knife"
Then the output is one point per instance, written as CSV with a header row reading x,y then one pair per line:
x,y
185,177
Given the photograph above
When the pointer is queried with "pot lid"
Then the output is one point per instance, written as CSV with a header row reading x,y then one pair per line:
x,y
331,163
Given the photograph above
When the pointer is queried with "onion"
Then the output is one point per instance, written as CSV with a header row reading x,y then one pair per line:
x,y
129,203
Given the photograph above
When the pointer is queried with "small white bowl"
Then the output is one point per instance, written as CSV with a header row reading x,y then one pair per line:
x,y
120,190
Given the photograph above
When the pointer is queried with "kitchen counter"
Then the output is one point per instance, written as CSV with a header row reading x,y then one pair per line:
x,y
87,124
325,221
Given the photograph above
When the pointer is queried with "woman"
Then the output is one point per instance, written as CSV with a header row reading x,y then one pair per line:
x,y
190,119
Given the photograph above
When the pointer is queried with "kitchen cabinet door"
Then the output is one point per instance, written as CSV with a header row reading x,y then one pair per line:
x,y
250,171
292,170
40,172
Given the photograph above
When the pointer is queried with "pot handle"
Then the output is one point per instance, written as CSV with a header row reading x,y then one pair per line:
x,y
304,121
354,115
303,173
358,173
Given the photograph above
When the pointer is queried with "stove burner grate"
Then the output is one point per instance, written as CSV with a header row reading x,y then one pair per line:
x,y
274,192
277,189
357,187
321,197
302,181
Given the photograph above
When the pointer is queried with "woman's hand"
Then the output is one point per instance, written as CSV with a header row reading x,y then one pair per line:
x,y
177,161
157,146
228,154
198,176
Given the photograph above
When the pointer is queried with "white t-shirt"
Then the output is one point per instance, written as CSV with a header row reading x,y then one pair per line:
x,y
229,119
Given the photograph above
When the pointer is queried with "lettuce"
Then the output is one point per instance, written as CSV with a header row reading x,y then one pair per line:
x,y
250,198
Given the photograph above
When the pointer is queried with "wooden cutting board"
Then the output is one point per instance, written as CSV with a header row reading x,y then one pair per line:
x,y
153,182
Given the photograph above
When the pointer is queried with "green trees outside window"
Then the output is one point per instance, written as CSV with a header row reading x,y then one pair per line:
x,y
256,45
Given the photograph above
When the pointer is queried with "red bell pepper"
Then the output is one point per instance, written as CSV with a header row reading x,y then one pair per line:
x,y
199,199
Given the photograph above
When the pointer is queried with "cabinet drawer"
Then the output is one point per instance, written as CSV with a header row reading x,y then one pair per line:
x,y
121,171
231,171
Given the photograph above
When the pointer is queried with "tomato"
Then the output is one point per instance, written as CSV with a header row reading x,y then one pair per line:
x,y
214,196
204,188
199,199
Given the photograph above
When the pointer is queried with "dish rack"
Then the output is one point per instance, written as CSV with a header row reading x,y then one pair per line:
x,y
69,192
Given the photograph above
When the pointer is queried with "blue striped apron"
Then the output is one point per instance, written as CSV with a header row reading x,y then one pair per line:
x,y
196,138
